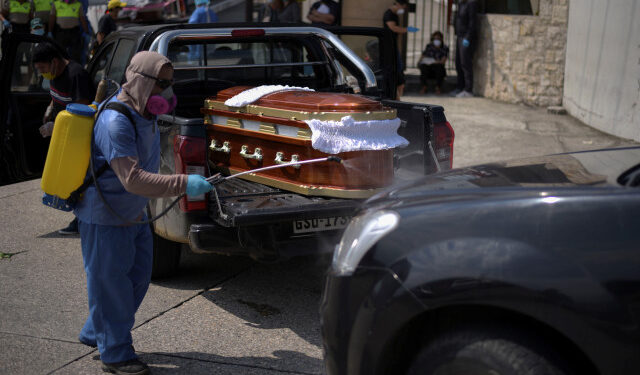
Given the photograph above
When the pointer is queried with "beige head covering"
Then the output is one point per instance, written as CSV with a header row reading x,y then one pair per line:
x,y
137,90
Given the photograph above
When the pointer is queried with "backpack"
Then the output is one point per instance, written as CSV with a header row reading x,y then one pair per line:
x,y
70,203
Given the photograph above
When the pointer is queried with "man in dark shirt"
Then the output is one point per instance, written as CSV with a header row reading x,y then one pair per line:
x,y
69,83
391,21
107,23
465,26
323,13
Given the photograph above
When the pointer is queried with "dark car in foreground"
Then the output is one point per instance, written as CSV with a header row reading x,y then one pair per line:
x,y
523,267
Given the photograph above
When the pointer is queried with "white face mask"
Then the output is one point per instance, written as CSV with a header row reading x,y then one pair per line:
x,y
400,11
437,43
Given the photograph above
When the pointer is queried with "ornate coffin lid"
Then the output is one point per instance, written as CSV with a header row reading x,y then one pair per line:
x,y
305,105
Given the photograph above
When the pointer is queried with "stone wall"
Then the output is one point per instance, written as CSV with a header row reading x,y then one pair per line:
x,y
520,59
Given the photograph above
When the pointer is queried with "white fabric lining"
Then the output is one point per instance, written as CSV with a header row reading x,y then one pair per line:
x,y
251,95
346,135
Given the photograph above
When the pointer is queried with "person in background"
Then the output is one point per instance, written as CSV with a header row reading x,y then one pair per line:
x,y
432,63
465,27
284,12
323,13
391,21
42,10
118,256
68,26
202,13
15,15
69,83
37,27
35,80
107,23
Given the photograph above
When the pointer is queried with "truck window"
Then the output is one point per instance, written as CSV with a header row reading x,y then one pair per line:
x,y
25,77
120,60
368,49
101,63
283,62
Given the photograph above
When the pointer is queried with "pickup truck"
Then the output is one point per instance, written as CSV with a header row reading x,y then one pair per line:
x,y
243,217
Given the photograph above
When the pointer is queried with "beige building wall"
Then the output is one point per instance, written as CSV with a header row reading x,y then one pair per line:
x,y
602,74
364,12
520,59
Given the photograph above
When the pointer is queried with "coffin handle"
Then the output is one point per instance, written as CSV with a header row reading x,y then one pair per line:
x,y
226,148
280,159
257,153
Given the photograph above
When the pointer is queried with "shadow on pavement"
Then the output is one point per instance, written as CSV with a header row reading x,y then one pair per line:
x,y
206,363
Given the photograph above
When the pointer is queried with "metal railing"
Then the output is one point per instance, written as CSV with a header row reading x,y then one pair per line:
x,y
161,44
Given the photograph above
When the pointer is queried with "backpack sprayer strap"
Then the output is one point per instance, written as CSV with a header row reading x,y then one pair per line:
x,y
74,197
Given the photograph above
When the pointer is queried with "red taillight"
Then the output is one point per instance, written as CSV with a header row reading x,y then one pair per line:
x,y
190,155
247,32
443,136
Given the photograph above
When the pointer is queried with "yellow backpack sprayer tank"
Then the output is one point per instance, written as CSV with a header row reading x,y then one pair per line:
x,y
68,156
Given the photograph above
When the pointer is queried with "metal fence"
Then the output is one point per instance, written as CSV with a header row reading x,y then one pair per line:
x,y
430,16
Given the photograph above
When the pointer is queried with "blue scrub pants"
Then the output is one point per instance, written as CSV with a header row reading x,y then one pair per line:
x,y
118,261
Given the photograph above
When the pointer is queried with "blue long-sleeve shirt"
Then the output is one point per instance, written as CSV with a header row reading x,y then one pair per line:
x,y
203,15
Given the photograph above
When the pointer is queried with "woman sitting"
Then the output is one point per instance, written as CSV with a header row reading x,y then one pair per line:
x,y
432,63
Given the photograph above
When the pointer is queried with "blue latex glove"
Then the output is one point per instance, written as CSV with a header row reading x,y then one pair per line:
x,y
412,29
6,24
197,185
50,34
465,42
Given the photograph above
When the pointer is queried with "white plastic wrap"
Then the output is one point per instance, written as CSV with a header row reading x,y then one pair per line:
x,y
251,95
333,137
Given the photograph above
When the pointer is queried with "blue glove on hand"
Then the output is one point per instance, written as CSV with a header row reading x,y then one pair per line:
x,y
465,42
6,24
50,34
412,29
197,185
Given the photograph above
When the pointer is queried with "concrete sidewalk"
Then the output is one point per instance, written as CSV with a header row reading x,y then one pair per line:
x,y
487,130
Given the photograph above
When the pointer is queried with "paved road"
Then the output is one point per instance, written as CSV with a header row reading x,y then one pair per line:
x,y
221,315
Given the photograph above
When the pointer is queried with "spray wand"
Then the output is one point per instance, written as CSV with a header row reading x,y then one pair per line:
x,y
218,178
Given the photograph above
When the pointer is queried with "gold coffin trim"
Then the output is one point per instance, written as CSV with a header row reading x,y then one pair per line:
x,y
306,189
388,114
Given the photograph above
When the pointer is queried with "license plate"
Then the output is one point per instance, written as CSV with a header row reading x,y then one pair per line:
x,y
321,224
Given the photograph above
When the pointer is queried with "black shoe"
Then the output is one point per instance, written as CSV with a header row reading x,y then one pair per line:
x,y
130,367
72,228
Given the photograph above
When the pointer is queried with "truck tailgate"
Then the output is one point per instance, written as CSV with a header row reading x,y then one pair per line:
x,y
248,203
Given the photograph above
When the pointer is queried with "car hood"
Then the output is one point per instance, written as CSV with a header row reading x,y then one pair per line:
x,y
598,168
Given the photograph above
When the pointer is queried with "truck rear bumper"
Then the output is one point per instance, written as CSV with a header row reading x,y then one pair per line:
x,y
263,243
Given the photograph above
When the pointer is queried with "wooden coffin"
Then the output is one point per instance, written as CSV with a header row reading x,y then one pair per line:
x,y
272,130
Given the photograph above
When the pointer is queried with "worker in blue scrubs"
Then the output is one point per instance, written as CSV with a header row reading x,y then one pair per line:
x,y
118,255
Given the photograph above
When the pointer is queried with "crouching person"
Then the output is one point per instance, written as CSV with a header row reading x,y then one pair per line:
x,y
117,254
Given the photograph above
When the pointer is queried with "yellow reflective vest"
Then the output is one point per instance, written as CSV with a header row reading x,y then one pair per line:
x,y
18,7
42,6
64,10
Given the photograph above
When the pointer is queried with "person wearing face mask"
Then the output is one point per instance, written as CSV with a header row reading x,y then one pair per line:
x,y
37,28
391,21
69,83
117,255
431,64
